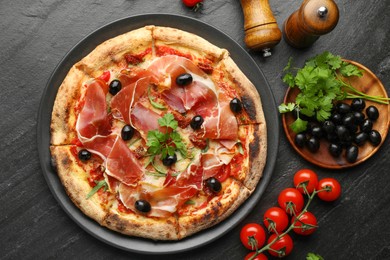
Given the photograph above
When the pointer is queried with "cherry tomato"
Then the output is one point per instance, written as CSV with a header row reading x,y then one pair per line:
x,y
252,236
258,257
334,192
291,200
192,3
278,219
105,76
305,177
306,224
283,244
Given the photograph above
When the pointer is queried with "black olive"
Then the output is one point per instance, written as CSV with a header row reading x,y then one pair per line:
x,y
214,184
127,132
361,138
335,149
342,132
351,153
329,127
311,125
366,126
313,144
84,155
348,120
115,87
372,113
235,105
316,131
196,122
336,118
143,206
169,160
359,117
353,129
358,104
343,108
332,138
375,137
300,140
184,79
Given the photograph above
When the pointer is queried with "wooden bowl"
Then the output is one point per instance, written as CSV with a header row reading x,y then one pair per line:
x,y
368,84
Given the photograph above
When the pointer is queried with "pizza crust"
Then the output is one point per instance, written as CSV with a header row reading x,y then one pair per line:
x,y
74,178
187,43
233,194
110,54
247,91
257,156
64,117
141,226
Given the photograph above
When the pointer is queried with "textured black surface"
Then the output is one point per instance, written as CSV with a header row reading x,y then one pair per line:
x,y
35,35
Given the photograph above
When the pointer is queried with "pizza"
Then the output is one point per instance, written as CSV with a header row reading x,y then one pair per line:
x,y
158,134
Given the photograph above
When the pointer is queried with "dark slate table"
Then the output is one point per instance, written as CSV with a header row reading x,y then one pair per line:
x,y
35,35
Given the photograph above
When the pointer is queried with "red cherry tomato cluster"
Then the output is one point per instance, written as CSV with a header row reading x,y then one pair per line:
x,y
291,202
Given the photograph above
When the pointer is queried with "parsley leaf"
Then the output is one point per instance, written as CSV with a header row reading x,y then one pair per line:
x,y
168,143
321,83
312,256
168,120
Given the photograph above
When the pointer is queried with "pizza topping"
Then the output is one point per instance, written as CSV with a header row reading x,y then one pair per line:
x,y
84,155
169,160
123,103
127,132
184,79
144,120
196,122
93,118
99,184
115,87
133,59
143,206
236,105
123,165
214,184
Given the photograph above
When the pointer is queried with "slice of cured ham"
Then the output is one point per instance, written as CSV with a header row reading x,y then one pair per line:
x,y
122,164
127,97
93,118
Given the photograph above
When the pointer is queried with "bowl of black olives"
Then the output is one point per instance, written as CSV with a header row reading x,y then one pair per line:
x,y
354,131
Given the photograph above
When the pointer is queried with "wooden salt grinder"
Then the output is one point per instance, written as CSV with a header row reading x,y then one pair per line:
x,y
261,30
313,19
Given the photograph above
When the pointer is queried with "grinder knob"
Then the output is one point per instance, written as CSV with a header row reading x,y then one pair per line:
x,y
313,19
261,30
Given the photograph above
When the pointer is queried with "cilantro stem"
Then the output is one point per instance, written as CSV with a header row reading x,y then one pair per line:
x,y
378,99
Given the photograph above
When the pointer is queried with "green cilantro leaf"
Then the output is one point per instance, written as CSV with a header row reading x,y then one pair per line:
x,y
312,256
99,184
168,120
284,108
299,125
348,70
165,144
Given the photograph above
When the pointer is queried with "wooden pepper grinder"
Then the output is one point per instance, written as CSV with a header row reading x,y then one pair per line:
x,y
261,30
313,19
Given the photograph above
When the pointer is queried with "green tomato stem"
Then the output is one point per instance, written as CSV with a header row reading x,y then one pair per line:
x,y
268,246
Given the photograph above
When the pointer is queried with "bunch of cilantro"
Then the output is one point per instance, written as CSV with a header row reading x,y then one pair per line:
x,y
321,84
165,143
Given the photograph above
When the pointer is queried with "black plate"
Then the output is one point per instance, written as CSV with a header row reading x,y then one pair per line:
x,y
243,60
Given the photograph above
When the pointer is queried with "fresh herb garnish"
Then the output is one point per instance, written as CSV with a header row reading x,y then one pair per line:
x,y
321,83
166,143
312,256
190,202
99,184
